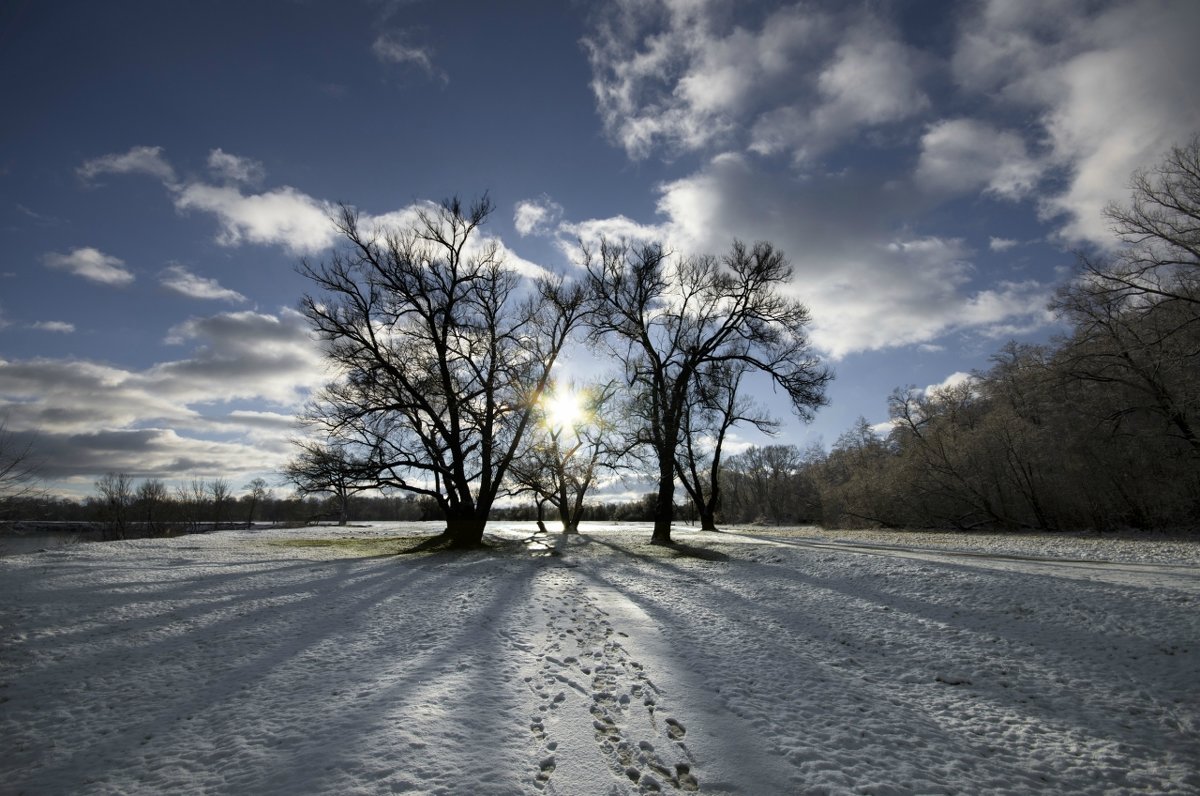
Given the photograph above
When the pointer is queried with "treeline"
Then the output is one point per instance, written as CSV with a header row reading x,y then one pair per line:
x,y
124,508
1034,442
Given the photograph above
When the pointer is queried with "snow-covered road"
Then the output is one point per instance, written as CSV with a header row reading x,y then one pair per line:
x,y
738,663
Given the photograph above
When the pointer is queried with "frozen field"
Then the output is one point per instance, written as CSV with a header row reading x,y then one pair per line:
x,y
758,662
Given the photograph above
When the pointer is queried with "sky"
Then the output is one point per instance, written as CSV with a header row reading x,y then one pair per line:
x,y
929,169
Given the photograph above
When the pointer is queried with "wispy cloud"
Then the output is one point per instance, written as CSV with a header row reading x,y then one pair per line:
x,y
395,47
180,280
138,160
1001,244
91,264
1102,84
234,168
685,76
60,327
536,216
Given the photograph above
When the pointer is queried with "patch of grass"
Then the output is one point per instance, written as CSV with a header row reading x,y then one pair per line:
x,y
368,546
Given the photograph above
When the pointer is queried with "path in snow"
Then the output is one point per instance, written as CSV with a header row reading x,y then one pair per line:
x,y
594,665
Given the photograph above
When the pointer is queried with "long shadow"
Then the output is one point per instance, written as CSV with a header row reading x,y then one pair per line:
x,y
1066,658
231,638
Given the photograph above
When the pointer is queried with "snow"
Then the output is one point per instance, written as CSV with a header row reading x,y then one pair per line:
x,y
762,661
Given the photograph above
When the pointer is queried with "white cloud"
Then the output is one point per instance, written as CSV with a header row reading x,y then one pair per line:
x,y
88,418
138,160
1001,244
956,379
393,47
681,75
284,217
59,327
281,217
964,155
91,264
1112,89
869,283
180,280
536,216
234,168
620,229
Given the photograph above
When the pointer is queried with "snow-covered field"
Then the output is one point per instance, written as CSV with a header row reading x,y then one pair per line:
x,y
759,662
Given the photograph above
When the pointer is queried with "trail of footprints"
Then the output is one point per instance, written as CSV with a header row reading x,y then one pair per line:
x,y
583,653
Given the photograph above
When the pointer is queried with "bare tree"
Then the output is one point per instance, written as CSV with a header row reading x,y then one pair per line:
x,y
116,498
150,500
716,408
256,493
191,498
220,492
668,318
1160,233
330,470
563,460
1136,316
18,470
443,353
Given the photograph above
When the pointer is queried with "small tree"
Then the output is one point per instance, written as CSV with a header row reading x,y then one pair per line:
x,y
716,409
219,491
329,470
566,454
256,494
668,319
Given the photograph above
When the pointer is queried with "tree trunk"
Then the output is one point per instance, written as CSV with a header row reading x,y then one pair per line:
x,y
464,529
708,519
664,509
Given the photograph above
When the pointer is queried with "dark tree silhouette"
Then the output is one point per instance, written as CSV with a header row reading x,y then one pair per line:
x,y
442,351
329,470
18,470
718,406
667,319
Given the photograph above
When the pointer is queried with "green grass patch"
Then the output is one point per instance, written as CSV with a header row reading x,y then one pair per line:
x,y
365,547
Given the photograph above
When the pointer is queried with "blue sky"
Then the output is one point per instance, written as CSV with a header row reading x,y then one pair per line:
x,y
927,167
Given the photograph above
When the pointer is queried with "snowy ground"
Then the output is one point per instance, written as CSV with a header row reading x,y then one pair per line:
x,y
761,662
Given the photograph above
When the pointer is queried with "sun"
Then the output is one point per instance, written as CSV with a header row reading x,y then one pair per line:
x,y
564,408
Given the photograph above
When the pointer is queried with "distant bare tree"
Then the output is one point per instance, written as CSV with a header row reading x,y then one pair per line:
x,y
667,319
443,352
150,500
116,498
330,470
191,498
18,470
256,493
220,492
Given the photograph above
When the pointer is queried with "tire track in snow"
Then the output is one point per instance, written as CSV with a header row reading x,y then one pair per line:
x,y
1182,577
